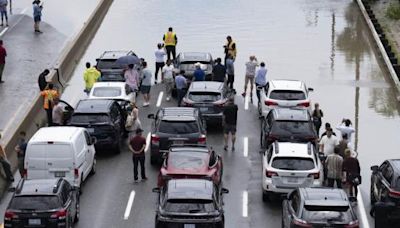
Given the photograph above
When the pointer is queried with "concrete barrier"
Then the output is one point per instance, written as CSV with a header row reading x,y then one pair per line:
x,y
35,116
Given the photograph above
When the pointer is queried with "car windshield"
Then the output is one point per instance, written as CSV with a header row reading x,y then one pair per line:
x,y
107,91
178,127
187,160
189,205
293,163
292,128
204,96
35,202
107,64
327,214
287,95
89,118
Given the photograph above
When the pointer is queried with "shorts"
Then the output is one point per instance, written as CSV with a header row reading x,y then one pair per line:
x,y
249,78
37,18
230,128
145,89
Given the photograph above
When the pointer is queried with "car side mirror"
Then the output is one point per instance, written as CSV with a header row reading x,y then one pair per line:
x,y
11,189
374,168
156,190
151,116
97,59
224,191
93,140
310,89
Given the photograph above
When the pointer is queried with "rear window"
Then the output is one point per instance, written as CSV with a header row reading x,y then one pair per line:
x,y
89,118
204,96
327,214
292,128
287,95
107,92
107,64
35,203
187,160
290,163
175,127
189,205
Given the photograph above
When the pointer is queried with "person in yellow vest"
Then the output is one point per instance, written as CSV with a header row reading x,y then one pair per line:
x,y
49,94
230,48
170,41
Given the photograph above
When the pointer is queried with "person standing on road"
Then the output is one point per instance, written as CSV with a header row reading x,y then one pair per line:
x,y
261,79
181,83
49,94
132,78
230,48
219,71
3,12
334,164
343,145
146,84
328,143
250,74
90,76
170,42
160,54
58,113
167,77
20,150
230,70
317,115
346,128
42,82
3,55
199,74
137,146
132,120
327,126
352,170
37,15
229,122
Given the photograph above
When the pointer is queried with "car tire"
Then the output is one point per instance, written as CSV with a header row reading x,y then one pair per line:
x,y
78,212
153,160
157,223
93,170
259,109
262,135
372,196
265,197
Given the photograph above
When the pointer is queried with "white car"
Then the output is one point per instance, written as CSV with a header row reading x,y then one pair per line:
x,y
287,166
112,90
284,93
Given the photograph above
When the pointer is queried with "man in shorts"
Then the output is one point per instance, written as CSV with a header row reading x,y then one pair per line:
x,y
230,119
146,84
250,74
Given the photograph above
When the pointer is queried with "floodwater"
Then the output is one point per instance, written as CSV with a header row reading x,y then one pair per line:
x,y
324,43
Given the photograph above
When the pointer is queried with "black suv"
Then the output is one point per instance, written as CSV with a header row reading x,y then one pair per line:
x,y
385,186
175,126
104,119
318,207
190,203
43,203
287,125
110,71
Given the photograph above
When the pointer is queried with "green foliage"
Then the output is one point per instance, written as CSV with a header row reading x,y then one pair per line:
x,y
393,11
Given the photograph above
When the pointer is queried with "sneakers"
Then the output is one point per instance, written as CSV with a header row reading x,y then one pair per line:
x,y
145,104
168,98
144,179
225,148
244,94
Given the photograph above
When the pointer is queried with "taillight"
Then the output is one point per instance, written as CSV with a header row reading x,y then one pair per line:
x,y
220,103
155,138
202,139
187,102
270,174
61,214
315,175
76,173
270,103
353,224
301,223
304,104
9,215
394,194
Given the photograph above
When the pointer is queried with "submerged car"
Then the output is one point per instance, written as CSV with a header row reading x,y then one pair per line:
x,y
186,61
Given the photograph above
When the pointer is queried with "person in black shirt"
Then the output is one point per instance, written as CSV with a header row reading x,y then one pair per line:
x,y
327,126
42,79
20,149
230,119
219,71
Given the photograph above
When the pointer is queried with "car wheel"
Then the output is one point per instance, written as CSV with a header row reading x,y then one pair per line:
x,y
153,160
157,223
265,197
262,135
78,212
372,195
93,170
259,108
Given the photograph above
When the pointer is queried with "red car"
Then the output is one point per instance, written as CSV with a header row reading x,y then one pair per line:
x,y
192,161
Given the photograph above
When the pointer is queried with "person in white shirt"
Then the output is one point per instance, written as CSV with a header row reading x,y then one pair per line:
x,y
250,74
167,77
160,56
328,143
346,128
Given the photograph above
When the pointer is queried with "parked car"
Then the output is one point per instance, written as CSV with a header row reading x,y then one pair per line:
x,y
106,62
60,152
104,119
190,203
385,186
50,203
191,161
186,61
209,97
318,207
119,91
287,125
284,93
287,166
175,125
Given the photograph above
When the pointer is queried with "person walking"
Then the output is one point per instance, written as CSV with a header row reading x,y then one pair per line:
x,y
343,145
132,120
132,78
146,84
346,128
230,70
199,74
250,74
58,113
137,145
3,55
260,79
90,76
170,41
229,122
181,83
352,170
42,82
49,94
37,15
3,12
328,143
327,126
20,150
167,77
317,115
160,55
334,166
230,48
219,71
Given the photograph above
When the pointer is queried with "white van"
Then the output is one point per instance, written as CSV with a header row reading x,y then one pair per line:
x,y
55,152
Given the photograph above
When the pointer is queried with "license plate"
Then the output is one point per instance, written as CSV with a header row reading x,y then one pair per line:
x,y
203,109
178,142
90,130
34,222
59,174
189,226
292,180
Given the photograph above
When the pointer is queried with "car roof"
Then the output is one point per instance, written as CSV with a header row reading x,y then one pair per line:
x,y
109,84
284,84
195,56
291,114
55,134
190,189
289,149
178,114
37,187
202,86
94,106
115,54
324,196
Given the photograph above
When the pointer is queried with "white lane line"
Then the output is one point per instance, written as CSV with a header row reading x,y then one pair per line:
x,y
159,99
147,141
245,209
246,102
245,147
363,214
129,205
4,31
24,10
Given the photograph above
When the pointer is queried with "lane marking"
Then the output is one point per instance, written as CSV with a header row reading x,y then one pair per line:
x,y
245,147
4,31
245,204
159,98
246,102
147,141
363,214
129,205
24,10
